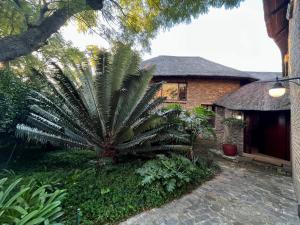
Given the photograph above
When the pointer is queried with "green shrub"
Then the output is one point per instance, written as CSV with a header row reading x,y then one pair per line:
x,y
197,124
233,122
194,122
74,158
203,112
174,106
29,204
171,173
12,101
13,109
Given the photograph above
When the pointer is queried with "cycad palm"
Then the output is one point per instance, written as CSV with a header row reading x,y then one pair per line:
x,y
112,112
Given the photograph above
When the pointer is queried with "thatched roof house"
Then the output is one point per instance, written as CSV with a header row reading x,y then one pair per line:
x,y
182,66
254,96
267,120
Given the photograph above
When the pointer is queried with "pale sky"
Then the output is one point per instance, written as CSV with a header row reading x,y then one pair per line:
x,y
235,38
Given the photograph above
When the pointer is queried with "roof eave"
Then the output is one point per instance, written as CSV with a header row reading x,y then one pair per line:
x,y
206,76
252,109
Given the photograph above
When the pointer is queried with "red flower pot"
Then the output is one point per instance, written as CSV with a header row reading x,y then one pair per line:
x,y
229,149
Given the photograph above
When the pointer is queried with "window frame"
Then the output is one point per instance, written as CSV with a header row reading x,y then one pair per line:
x,y
178,83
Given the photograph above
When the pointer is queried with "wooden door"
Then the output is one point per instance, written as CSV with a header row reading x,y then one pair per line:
x,y
251,132
268,133
276,141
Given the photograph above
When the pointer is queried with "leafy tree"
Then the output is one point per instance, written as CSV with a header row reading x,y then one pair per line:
x,y
12,102
26,25
112,112
13,90
57,50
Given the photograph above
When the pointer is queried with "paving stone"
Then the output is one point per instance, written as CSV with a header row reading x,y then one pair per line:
x,y
237,196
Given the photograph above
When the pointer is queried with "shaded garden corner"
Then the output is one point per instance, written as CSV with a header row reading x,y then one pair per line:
x,y
105,195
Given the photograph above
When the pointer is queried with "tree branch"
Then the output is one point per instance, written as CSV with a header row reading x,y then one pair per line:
x,y
119,7
15,46
17,2
43,12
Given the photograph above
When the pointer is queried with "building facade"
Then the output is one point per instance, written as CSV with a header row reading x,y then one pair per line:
x,y
283,24
267,122
194,81
192,92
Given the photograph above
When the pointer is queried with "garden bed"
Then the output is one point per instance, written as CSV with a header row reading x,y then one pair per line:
x,y
105,195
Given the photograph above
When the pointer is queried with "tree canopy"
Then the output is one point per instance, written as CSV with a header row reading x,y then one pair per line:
x,y
26,25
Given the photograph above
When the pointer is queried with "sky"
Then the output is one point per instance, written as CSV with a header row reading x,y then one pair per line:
x,y
235,38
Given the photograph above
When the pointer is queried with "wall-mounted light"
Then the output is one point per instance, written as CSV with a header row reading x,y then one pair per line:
x,y
239,117
278,90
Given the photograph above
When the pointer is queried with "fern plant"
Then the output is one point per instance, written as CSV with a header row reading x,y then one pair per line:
x,y
171,172
29,204
112,111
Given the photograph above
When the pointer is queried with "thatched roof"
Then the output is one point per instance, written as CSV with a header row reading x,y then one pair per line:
x,y
179,66
254,96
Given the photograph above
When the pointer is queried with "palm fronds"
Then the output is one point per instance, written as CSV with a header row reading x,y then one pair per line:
x,y
114,109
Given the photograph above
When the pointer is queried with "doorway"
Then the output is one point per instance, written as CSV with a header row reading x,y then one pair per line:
x,y
267,133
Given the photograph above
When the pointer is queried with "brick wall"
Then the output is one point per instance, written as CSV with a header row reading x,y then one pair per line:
x,y
294,51
204,91
208,91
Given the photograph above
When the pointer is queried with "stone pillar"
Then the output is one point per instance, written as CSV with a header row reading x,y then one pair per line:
x,y
234,135
294,55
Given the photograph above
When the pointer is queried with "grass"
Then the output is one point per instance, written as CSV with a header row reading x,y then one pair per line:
x,y
106,195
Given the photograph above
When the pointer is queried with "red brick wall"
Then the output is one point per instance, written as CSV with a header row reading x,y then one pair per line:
x,y
204,91
207,91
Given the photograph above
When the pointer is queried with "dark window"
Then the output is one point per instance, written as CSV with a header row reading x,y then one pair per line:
x,y
182,91
174,91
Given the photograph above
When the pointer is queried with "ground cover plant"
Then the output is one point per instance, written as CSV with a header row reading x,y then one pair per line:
x,y
105,195
170,173
29,203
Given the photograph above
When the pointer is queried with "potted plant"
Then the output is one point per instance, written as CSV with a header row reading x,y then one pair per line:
x,y
234,126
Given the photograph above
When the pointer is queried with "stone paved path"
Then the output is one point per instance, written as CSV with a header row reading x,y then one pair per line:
x,y
239,195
